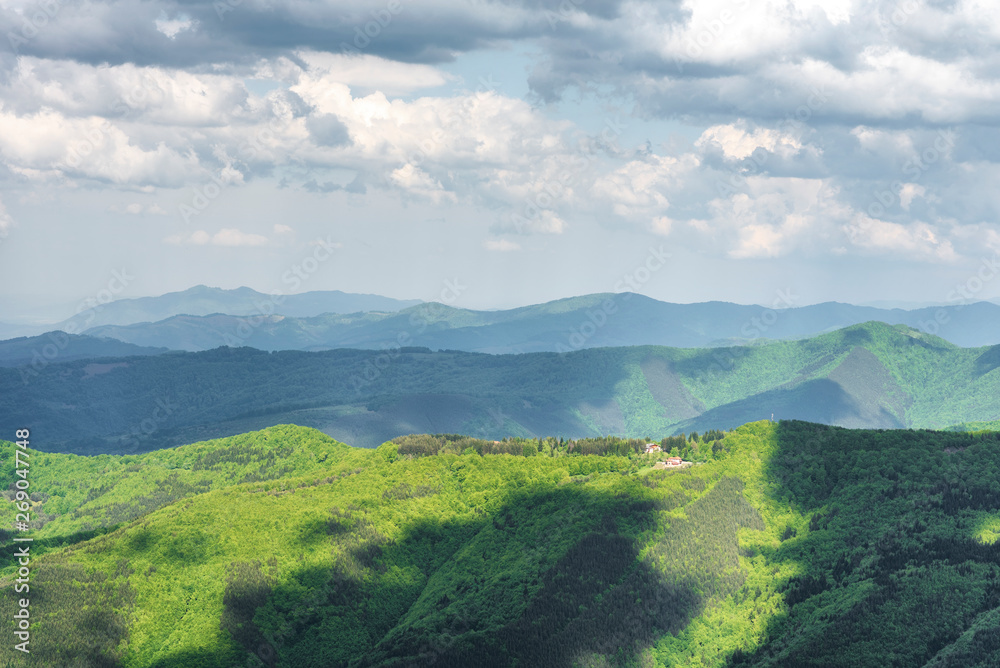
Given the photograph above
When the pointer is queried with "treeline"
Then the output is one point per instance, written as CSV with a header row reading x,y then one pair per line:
x,y
693,447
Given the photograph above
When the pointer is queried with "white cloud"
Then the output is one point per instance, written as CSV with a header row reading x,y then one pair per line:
x,y
639,189
172,27
417,182
918,241
224,237
776,217
737,142
909,191
396,127
6,222
367,73
88,147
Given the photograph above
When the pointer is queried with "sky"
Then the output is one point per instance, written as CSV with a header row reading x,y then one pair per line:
x,y
491,154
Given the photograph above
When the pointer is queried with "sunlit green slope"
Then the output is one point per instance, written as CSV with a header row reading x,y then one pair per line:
x,y
785,544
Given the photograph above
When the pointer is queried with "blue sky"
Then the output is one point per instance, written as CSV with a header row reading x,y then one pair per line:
x,y
526,150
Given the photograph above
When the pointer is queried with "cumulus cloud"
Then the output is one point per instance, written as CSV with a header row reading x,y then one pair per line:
x,y
643,188
915,241
736,142
812,127
172,27
181,34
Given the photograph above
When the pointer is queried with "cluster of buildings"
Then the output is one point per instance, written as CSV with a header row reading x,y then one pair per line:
x,y
670,462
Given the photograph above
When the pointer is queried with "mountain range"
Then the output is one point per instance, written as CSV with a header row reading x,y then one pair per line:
x,y
871,375
599,320
204,300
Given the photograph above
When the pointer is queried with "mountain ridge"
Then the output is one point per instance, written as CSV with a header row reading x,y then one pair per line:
x,y
870,375
241,301
597,320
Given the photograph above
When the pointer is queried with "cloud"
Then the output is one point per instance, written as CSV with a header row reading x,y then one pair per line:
x,y
118,31
417,182
327,130
224,237
172,27
6,222
915,241
366,73
641,189
737,142
797,121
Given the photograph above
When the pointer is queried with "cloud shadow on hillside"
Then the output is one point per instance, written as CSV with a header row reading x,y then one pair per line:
x,y
599,597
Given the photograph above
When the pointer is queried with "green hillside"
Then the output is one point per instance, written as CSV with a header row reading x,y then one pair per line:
x,y
784,544
866,376
40,351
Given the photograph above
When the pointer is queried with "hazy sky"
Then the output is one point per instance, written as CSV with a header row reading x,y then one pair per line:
x,y
515,151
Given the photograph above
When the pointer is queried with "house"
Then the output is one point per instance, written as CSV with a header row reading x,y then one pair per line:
x,y
674,461
652,447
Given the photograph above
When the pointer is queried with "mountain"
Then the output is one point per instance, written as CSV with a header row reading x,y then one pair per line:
x,y
871,375
37,351
599,320
781,545
203,300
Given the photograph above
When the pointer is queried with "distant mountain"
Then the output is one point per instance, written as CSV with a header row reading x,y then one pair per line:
x,y
203,300
598,320
871,375
42,350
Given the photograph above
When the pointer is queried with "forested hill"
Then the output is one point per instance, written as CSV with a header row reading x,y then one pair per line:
x,y
869,375
58,346
782,545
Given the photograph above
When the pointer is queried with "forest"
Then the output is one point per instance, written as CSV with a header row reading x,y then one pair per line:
x,y
785,544
867,376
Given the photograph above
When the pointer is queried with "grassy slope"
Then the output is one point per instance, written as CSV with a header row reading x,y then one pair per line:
x,y
800,545
80,497
936,383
